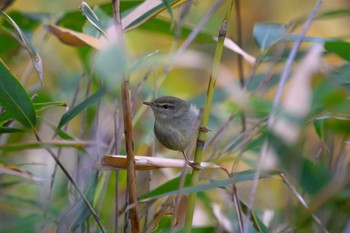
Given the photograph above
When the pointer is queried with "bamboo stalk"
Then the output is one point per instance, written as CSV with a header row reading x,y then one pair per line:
x,y
205,119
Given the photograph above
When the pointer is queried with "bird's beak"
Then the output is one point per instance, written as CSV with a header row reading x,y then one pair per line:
x,y
148,103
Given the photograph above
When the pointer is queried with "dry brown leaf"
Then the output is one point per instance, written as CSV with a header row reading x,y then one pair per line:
x,y
147,163
73,38
16,171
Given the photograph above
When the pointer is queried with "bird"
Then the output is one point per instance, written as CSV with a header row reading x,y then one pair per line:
x,y
175,123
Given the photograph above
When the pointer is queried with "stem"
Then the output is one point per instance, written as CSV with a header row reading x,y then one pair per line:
x,y
178,54
205,119
131,175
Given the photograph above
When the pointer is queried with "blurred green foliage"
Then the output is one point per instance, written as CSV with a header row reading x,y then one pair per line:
x,y
77,113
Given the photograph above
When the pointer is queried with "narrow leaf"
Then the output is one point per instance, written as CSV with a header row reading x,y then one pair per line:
x,y
42,106
34,55
171,185
68,116
238,177
15,99
168,8
16,171
319,127
91,16
10,130
164,225
145,11
46,144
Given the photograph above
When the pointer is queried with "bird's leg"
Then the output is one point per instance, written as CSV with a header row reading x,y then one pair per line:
x,y
194,165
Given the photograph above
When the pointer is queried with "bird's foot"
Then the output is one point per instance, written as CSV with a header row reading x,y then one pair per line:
x,y
195,166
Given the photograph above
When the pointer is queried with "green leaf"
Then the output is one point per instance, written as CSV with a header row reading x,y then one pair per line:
x,y
28,22
8,44
314,177
36,59
168,8
68,116
333,14
319,127
341,48
47,144
45,105
267,34
90,15
237,177
10,130
15,99
164,224
161,25
169,186
147,12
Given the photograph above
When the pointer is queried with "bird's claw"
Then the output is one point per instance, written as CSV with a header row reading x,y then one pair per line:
x,y
195,166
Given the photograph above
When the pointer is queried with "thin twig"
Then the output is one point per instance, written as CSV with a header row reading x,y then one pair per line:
x,y
117,139
276,103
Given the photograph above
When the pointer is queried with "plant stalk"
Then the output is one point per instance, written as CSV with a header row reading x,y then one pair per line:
x,y
205,119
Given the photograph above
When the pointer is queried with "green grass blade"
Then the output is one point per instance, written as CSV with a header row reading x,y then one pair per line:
x,y
34,55
170,186
236,178
10,130
91,16
15,99
68,116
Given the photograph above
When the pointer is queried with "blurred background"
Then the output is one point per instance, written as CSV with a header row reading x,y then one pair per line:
x,y
37,204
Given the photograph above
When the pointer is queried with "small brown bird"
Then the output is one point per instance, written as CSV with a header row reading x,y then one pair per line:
x,y
175,123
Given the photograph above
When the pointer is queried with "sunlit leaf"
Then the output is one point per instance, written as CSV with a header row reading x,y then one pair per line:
x,y
74,38
230,44
68,116
145,11
36,59
15,99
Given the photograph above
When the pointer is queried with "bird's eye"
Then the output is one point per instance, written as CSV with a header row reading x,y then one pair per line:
x,y
165,106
